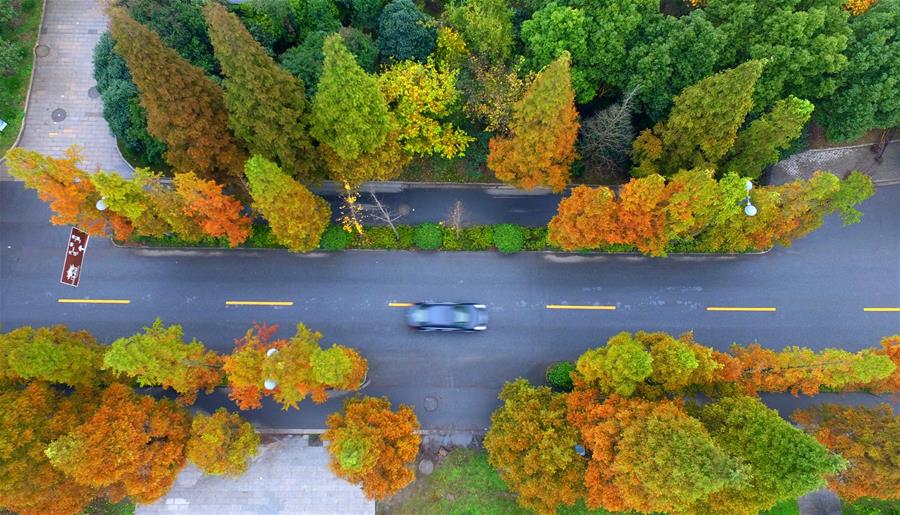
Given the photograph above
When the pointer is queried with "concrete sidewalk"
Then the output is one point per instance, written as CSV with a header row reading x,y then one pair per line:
x,y
288,477
840,161
64,108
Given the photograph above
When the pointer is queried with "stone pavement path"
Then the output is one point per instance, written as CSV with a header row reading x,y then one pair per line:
x,y
288,477
63,82
840,161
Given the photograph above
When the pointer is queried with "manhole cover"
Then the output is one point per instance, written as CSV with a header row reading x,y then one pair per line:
x,y
426,467
58,114
42,51
93,93
430,404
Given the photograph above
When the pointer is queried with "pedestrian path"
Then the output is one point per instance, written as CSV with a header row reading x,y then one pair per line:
x,y
64,108
288,477
840,161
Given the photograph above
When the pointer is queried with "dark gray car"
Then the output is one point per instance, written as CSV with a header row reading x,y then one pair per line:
x,y
447,316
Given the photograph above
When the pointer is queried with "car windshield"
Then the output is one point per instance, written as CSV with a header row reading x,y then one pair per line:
x,y
419,315
461,316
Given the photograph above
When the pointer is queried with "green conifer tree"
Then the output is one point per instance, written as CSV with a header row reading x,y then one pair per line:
x,y
267,106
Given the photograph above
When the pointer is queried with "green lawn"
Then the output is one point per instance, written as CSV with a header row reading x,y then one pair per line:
x,y
13,88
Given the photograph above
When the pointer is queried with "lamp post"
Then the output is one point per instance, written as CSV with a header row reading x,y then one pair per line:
x,y
749,209
101,204
270,384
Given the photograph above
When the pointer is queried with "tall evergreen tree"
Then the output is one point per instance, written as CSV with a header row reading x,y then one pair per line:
x,y
349,113
757,146
541,146
267,106
703,124
185,108
297,217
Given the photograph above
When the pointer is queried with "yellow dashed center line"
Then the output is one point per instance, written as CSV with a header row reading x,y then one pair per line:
x,y
258,303
93,301
714,308
399,304
567,306
882,310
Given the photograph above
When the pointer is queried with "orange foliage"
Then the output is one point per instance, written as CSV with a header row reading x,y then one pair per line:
x,y
857,7
641,218
373,446
585,219
68,189
215,212
29,420
135,445
869,438
244,366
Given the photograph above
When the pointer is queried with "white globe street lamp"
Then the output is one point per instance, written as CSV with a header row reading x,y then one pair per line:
x,y
270,384
101,204
749,209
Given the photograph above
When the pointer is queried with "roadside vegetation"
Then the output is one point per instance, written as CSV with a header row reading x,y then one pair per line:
x,y
19,26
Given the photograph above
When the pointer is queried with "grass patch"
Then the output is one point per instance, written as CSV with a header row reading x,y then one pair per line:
x,y
866,506
13,88
104,507
788,507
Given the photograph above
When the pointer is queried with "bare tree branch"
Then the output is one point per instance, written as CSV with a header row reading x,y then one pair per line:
x,y
385,215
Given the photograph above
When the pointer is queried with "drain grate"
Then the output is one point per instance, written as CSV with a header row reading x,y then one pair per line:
x,y
58,114
93,93
42,50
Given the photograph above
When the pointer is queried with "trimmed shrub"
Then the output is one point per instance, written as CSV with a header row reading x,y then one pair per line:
x,y
452,239
335,238
428,236
262,237
379,237
479,237
535,238
559,376
407,235
508,238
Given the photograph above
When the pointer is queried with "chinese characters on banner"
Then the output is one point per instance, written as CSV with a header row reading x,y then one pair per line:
x,y
71,272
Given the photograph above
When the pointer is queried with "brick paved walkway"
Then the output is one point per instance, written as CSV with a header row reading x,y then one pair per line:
x,y
63,80
288,477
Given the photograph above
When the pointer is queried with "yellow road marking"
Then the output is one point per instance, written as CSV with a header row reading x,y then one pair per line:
x,y
93,301
258,303
712,308
399,304
882,309
567,306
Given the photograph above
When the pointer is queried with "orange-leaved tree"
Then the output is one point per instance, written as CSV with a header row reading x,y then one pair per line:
x,y
68,189
868,437
297,367
373,446
533,448
585,219
131,445
160,357
208,206
540,149
30,419
222,443
185,108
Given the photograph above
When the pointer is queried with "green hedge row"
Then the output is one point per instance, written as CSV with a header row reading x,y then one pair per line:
x,y
506,238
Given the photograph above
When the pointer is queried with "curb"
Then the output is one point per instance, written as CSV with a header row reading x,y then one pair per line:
x,y
34,57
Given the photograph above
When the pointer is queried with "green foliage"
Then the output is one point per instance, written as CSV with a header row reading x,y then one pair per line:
x,y
782,462
405,32
364,14
428,236
103,506
267,107
222,443
867,98
559,376
703,124
619,367
11,55
854,189
53,354
508,238
758,145
672,54
8,11
555,29
315,15
485,26
305,60
349,112
331,366
335,238
871,507
121,108
297,217
802,43
181,26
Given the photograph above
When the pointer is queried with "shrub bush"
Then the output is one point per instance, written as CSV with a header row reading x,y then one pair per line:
x,y
379,237
407,236
478,237
535,238
452,239
559,377
335,238
262,237
428,236
508,238
11,55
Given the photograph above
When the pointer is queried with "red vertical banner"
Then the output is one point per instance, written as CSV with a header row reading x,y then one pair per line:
x,y
71,273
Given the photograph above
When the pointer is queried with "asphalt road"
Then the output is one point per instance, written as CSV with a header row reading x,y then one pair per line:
x,y
819,289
